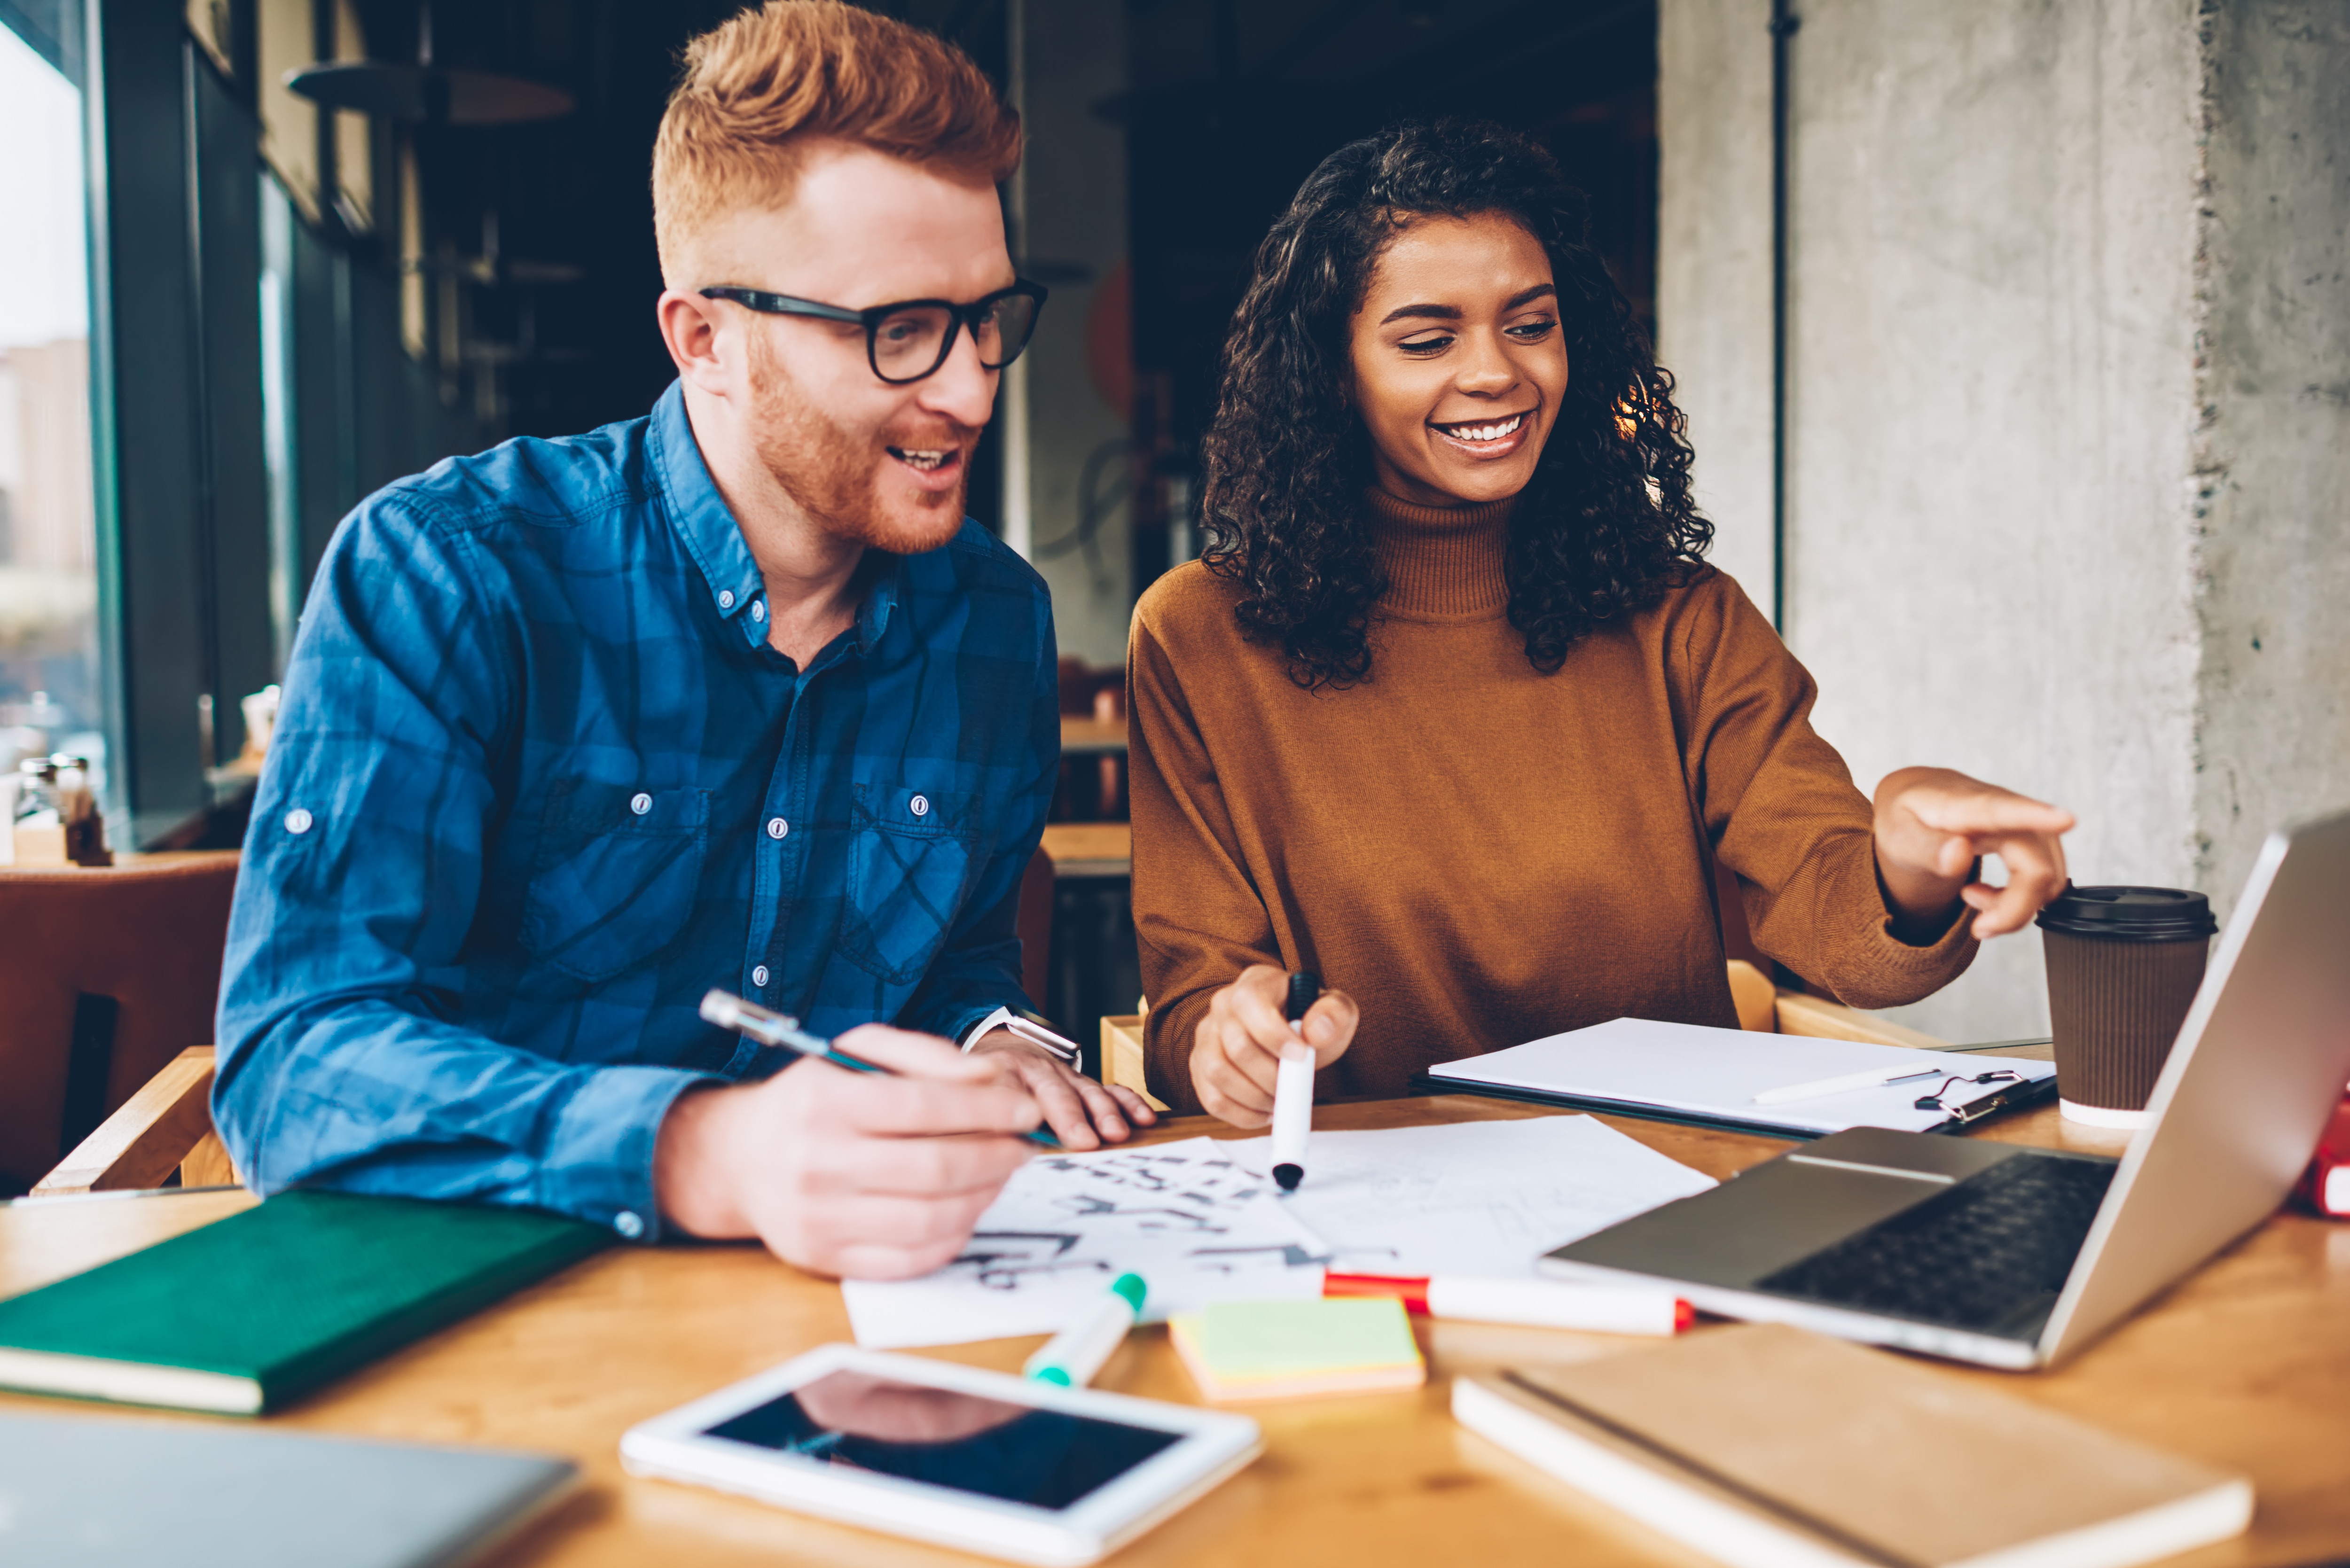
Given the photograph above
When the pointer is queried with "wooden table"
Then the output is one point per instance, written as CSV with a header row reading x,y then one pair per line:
x,y
1082,737
1090,849
2246,1365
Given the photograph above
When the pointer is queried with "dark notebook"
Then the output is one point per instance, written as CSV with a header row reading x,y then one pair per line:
x,y
259,1309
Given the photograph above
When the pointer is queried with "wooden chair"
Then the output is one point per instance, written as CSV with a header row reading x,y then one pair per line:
x,y
166,1126
1035,922
167,1122
1774,1009
107,976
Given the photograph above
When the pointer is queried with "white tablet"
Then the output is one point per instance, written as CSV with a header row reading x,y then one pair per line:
x,y
981,1461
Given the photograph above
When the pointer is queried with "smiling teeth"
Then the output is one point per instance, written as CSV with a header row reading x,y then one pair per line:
x,y
920,459
1484,432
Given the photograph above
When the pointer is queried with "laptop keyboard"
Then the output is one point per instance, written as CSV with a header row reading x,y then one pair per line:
x,y
1978,1256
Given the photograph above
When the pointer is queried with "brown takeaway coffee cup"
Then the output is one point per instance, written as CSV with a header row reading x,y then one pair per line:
x,y
2123,967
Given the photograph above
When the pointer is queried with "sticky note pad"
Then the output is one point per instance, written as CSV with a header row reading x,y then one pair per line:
x,y
1238,1351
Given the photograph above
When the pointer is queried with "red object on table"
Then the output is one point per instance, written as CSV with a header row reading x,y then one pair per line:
x,y
1413,1290
2325,1185
1410,1290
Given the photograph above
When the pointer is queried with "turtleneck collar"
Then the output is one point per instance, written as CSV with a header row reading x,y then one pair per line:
x,y
1442,560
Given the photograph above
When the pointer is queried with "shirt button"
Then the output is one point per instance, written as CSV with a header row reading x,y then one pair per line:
x,y
629,1224
777,827
640,803
920,805
759,975
758,609
298,820
726,598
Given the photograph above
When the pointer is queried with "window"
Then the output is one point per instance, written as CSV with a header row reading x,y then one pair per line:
x,y
49,687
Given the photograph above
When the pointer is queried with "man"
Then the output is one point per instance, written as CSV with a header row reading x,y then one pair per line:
x,y
730,696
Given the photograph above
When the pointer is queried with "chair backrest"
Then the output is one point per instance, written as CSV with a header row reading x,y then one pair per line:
x,y
1035,924
105,974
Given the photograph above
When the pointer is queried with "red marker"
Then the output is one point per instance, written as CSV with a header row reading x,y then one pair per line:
x,y
1540,1303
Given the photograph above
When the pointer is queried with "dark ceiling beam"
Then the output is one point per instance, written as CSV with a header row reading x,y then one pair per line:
x,y
1307,36
1534,28
966,14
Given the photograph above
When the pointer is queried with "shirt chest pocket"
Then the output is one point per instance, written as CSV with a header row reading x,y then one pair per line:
x,y
614,880
913,854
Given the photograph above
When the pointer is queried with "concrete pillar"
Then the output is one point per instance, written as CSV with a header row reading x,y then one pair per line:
x,y
1713,264
2069,474
2272,448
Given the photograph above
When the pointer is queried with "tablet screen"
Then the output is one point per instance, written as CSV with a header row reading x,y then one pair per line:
x,y
1046,1459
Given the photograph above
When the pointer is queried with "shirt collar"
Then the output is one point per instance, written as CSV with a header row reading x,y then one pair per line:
x,y
714,539
700,517
886,575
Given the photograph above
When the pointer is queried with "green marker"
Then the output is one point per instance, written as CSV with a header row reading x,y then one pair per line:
x,y
1072,1357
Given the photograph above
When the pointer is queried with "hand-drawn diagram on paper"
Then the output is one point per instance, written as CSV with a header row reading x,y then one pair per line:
x,y
1470,1197
1196,1227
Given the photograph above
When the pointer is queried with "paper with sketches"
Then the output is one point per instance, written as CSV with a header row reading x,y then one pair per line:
x,y
1472,1198
1197,1227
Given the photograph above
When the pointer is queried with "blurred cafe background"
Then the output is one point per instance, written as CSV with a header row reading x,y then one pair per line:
x,y
2012,338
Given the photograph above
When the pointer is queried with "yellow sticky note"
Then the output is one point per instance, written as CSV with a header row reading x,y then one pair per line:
x,y
1264,1350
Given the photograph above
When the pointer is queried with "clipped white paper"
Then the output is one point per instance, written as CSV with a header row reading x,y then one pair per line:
x,y
1196,1225
1717,1073
1472,1198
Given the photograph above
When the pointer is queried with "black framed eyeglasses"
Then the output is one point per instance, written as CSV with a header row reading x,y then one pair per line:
x,y
910,340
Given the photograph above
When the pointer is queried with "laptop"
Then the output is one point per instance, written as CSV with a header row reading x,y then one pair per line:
x,y
2015,1256
112,1491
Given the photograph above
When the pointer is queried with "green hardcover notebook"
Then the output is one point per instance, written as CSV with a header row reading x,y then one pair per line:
x,y
262,1307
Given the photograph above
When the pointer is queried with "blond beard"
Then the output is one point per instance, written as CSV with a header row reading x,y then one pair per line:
x,y
830,474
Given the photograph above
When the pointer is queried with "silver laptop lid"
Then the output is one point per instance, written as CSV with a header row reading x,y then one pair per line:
x,y
2259,1064
121,1491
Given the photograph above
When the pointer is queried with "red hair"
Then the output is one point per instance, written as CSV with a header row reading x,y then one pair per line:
x,y
761,86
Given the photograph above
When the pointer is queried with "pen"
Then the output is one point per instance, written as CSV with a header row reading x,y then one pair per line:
x,y
782,1031
1293,1089
1539,1304
1877,1077
1072,1357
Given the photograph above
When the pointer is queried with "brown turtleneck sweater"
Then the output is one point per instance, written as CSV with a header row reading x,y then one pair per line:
x,y
1481,854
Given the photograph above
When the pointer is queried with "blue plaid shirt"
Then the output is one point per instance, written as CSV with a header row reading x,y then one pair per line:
x,y
539,782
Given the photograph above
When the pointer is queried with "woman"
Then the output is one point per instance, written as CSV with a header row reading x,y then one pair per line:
x,y
1452,712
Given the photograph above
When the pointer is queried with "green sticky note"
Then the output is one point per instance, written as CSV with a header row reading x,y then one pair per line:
x,y
1286,1339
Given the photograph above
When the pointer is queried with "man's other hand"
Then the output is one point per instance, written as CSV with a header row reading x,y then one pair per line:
x,y
1082,1113
854,1175
1934,824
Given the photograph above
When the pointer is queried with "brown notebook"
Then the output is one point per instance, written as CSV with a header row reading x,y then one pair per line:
x,y
1769,1447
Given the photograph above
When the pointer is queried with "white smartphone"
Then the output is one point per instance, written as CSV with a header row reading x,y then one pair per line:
x,y
981,1461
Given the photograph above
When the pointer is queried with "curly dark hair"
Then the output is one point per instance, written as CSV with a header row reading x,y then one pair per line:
x,y
1605,525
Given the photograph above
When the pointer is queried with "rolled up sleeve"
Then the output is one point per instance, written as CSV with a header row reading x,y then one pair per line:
x,y
361,879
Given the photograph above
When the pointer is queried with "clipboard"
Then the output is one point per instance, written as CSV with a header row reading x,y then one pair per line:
x,y
2013,1097
1699,1076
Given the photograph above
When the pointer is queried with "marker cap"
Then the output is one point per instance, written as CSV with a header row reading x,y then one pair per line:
x,y
1303,987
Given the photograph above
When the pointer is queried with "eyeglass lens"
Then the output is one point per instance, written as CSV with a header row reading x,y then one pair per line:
x,y
912,343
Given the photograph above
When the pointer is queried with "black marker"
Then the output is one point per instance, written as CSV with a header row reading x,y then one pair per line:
x,y
1293,1089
